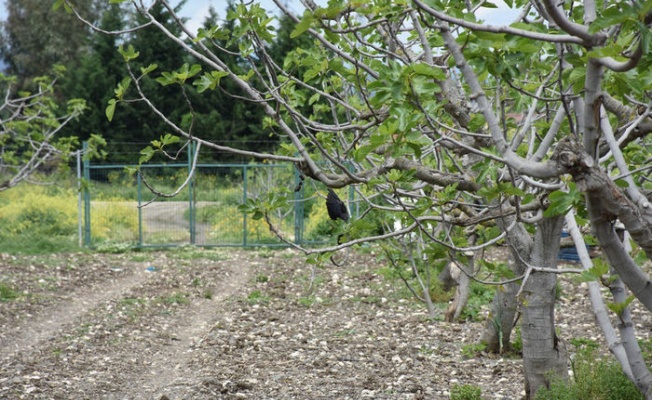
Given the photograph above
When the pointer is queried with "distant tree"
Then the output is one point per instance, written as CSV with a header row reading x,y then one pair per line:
x,y
218,115
103,67
35,37
154,48
99,70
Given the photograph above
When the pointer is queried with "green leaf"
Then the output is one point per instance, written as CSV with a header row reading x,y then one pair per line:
x,y
500,189
621,183
110,109
146,154
184,73
210,80
150,68
500,269
561,202
170,139
361,152
122,88
612,50
302,26
618,308
76,106
313,99
166,78
428,70
129,53
416,148
577,77
58,3
612,15
595,273
645,37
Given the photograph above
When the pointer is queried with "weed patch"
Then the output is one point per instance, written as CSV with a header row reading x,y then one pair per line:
x,y
256,297
594,378
465,392
7,293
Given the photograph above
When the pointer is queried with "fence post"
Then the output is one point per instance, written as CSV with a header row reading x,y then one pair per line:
x,y
80,208
244,201
87,196
298,208
139,191
191,199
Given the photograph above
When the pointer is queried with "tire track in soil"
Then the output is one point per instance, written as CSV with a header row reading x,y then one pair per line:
x,y
32,334
169,374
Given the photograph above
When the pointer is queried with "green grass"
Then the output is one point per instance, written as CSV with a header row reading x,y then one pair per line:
x,y
472,350
481,296
306,301
177,298
198,253
594,378
7,293
131,306
256,297
208,187
35,243
43,220
465,392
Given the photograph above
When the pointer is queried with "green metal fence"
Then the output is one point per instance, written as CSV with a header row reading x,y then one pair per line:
x,y
119,208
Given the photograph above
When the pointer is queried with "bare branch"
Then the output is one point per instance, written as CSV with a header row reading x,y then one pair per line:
x,y
498,29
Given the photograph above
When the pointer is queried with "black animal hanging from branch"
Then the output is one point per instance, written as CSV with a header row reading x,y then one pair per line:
x,y
336,207
336,210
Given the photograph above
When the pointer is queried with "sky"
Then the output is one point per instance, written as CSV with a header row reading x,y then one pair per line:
x,y
197,10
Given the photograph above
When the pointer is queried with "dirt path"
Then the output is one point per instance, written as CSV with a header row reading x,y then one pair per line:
x,y
126,333
236,324
168,217
169,369
29,335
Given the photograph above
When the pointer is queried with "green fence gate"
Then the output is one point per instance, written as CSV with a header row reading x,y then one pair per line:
x,y
120,208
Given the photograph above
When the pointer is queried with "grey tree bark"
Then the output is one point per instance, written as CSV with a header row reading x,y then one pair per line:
x,y
544,356
498,329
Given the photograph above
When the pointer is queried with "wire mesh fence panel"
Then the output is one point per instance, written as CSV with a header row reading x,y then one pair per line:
x,y
259,182
164,221
218,190
111,207
120,206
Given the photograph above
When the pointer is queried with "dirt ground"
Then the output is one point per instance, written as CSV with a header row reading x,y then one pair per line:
x,y
236,324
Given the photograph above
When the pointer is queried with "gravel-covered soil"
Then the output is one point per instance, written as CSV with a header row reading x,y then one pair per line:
x,y
236,324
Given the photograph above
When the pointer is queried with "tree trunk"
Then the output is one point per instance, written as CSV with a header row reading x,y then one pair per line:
x,y
640,374
544,357
498,330
606,202
456,274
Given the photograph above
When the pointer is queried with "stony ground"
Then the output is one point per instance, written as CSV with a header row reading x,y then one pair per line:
x,y
235,324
